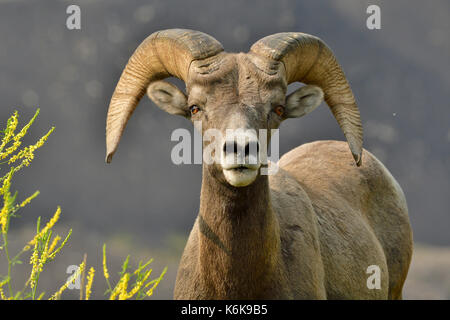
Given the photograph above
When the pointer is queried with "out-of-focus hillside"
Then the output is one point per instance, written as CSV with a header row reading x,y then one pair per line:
x,y
399,75
429,276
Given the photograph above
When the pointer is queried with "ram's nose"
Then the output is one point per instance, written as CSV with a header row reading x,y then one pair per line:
x,y
240,161
240,153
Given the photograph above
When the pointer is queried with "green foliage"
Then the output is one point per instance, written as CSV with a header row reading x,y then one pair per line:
x,y
44,245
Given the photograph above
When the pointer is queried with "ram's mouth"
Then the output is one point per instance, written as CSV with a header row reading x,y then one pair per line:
x,y
240,175
241,168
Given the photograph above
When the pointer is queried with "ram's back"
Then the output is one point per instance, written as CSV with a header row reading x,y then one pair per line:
x,y
360,213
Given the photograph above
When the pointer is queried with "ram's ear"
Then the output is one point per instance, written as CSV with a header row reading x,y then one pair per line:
x,y
303,101
168,97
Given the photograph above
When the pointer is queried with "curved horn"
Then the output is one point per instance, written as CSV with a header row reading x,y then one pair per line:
x,y
309,60
161,55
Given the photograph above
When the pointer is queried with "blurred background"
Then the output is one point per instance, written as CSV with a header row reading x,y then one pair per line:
x,y
144,205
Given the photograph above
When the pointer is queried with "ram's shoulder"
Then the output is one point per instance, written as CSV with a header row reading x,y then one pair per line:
x,y
327,168
288,198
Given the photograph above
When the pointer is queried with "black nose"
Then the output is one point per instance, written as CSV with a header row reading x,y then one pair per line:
x,y
233,147
250,146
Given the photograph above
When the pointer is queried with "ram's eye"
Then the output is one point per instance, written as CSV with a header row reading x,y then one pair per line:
x,y
194,109
279,110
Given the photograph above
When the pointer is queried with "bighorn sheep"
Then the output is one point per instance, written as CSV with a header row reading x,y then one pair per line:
x,y
311,230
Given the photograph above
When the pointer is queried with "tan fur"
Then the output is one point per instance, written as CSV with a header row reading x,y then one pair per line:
x,y
327,221
308,232
311,230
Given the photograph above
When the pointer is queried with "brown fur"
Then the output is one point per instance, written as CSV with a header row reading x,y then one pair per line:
x,y
311,230
308,232
310,235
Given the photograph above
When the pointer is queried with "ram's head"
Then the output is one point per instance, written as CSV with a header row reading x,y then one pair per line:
x,y
229,91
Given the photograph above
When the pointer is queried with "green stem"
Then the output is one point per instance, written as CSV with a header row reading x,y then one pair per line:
x,y
33,293
5,246
109,285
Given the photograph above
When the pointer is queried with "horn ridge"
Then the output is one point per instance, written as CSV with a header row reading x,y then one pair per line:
x,y
308,59
162,54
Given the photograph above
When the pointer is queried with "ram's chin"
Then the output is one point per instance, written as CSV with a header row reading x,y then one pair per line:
x,y
240,177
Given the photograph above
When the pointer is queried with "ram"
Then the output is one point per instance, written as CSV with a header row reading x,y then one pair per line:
x,y
310,231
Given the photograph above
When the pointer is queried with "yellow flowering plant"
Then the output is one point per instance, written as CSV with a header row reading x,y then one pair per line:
x,y
142,286
45,245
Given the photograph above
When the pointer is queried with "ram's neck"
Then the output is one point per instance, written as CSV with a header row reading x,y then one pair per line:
x,y
239,239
